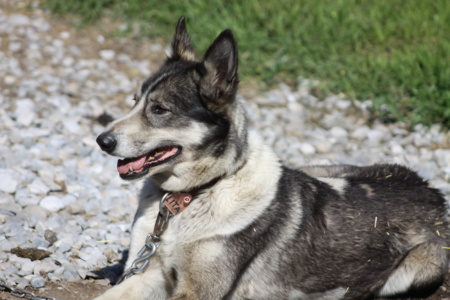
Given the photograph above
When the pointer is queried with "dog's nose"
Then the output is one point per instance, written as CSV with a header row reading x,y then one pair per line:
x,y
107,142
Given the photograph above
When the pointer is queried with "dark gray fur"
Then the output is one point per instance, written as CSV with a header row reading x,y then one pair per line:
x,y
337,244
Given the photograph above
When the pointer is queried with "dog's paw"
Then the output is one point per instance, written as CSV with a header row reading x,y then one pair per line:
x,y
138,287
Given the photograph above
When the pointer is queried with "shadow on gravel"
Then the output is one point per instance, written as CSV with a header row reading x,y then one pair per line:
x,y
112,273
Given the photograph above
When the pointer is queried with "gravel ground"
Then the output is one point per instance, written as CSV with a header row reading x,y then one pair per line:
x,y
64,212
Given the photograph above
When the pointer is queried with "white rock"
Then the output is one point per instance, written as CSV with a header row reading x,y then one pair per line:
x,y
75,208
307,149
34,133
5,245
446,170
107,54
421,140
374,137
100,39
93,256
56,275
9,79
52,203
339,133
122,57
397,149
28,267
37,282
25,112
73,127
83,273
360,133
38,187
9,181
70,273
5,200
24,198
65,35
343,104
18,20
41,24
44,267
68,61
64,247
442,157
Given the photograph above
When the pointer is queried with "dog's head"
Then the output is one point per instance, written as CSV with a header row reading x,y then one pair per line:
x,y
186,123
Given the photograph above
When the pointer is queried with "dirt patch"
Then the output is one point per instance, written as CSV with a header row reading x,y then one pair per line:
x,y
83,290
89,289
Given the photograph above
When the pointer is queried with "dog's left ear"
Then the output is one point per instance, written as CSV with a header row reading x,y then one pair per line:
x,y
181,44
221,68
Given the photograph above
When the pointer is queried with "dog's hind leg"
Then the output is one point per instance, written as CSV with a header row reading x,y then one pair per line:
x,y
423,266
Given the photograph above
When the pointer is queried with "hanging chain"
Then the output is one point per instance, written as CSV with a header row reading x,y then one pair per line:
x,y
21,293
143,258
151,243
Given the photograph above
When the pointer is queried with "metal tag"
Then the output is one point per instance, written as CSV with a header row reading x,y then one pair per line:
x,y
177,202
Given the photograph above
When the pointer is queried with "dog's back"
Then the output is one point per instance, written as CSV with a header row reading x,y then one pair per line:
x,y
375,230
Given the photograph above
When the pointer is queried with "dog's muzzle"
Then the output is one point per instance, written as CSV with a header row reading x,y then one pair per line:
x,y
107,142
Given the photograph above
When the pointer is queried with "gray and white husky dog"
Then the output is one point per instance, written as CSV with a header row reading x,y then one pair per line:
x,y
256,229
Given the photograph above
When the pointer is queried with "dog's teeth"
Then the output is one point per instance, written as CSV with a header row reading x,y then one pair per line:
x,y
131,169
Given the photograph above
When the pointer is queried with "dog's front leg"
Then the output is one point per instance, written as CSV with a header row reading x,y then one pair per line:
x,y
149,285
208,272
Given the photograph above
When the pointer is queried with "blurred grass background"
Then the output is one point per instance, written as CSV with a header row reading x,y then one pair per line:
x,y
394,52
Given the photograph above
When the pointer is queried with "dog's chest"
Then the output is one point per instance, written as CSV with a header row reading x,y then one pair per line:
x,y
196,236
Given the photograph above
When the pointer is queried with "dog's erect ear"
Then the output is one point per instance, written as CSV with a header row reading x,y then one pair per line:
x,y
221,66
181,43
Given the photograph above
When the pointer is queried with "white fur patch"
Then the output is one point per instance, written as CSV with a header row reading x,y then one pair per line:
x,y
339,184
400,281
235,201
335,294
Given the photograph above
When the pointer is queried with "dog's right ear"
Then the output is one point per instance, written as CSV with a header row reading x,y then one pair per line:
x,y
181,43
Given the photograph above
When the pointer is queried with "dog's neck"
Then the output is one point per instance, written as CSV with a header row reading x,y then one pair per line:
x,y
199,189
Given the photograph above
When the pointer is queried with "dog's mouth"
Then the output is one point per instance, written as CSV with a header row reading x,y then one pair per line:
x,y
133,168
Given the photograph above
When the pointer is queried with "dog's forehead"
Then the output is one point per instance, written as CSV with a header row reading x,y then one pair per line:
x,y
172,77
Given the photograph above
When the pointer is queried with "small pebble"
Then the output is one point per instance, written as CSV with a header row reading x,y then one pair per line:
x,y
52,203
37,282
50,236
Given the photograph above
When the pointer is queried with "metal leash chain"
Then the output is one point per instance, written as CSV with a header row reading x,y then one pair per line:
x,y
151,243
143,258
21,293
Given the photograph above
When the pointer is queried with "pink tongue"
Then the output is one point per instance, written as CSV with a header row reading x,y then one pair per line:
x,y
123,165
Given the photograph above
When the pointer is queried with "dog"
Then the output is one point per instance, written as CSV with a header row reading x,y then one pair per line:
x,y
244,226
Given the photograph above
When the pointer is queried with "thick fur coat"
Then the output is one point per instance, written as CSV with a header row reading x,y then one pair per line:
x,y
256,229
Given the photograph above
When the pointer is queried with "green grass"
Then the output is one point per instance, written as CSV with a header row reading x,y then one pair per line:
x,y
395,52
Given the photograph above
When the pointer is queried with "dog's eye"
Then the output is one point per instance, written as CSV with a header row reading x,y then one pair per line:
x,y
158,109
